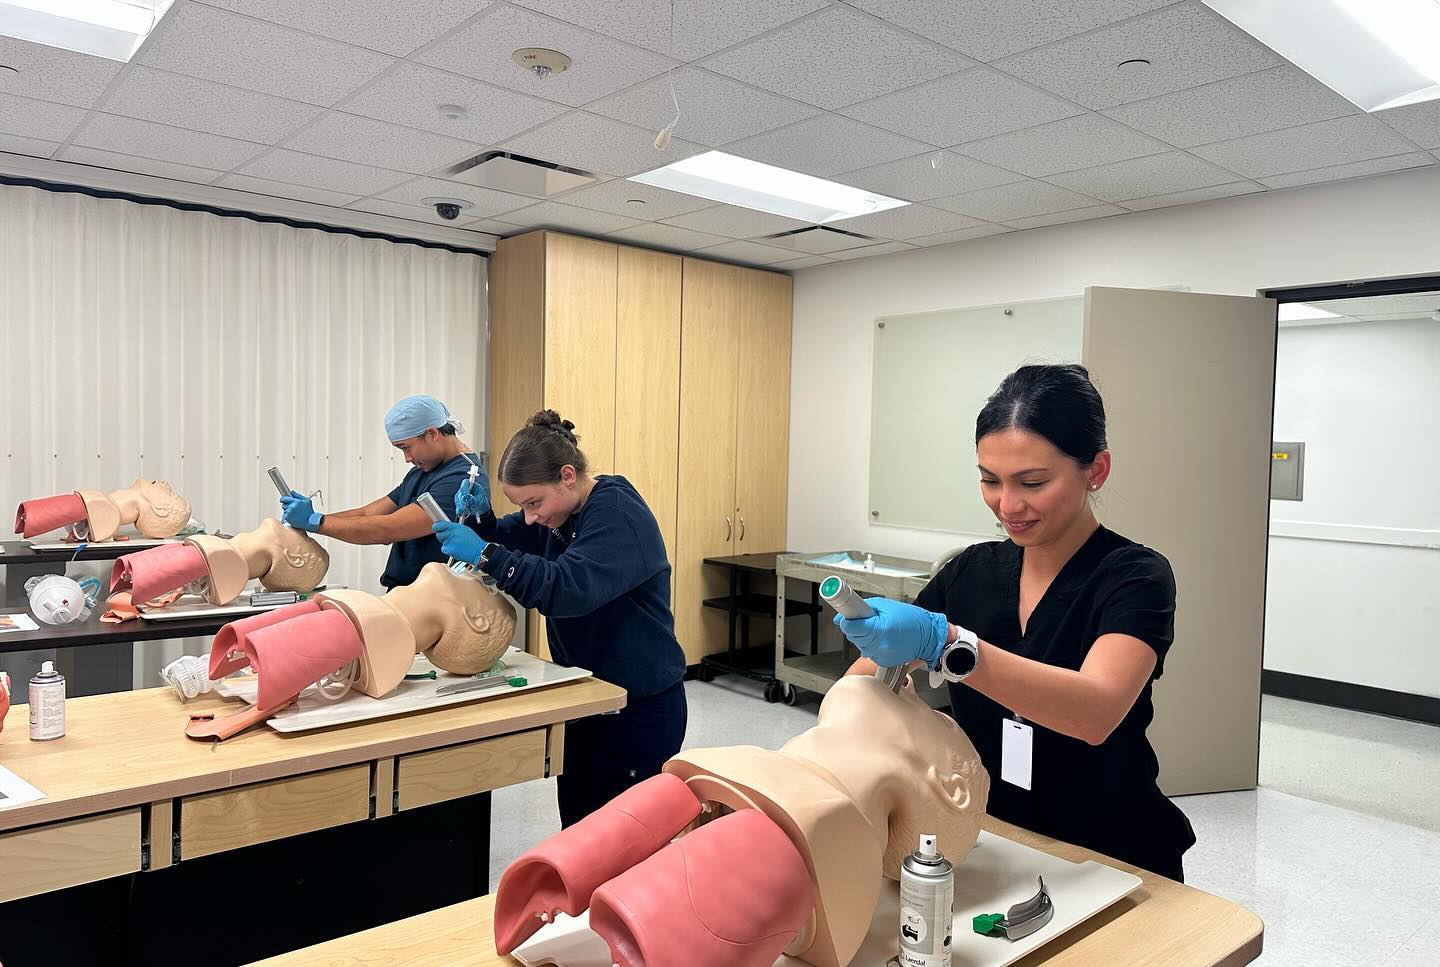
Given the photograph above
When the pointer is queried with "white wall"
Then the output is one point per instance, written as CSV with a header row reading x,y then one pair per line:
x,y
1372,228
1365,400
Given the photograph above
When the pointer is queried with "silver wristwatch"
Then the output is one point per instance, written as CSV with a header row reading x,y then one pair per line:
x,y
959,659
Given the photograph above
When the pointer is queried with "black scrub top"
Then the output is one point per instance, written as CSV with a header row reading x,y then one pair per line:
x,y
408,557
1101,797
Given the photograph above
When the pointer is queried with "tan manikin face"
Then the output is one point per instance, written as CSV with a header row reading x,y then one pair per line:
x,y
298,561
547,504
161,508
465,625
1034,490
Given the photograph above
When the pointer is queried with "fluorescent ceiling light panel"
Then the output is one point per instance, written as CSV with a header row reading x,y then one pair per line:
x,y
750,184
1299,311
113,29
1377,53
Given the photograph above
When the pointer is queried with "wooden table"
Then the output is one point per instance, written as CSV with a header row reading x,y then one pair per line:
x,y
1161,923
137,810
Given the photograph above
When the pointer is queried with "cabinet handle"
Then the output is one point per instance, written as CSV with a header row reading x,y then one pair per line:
x,y
727,530
742,527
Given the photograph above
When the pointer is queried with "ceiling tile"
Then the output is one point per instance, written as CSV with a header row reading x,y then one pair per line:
x,y
52,74
1375,166
379,144
616,197
660,235
1193,195
411,94
977,104
808,262
918,178
714,110
279,189
1186,45
1324,143
1080,142
964,235
835,58
14,144
552,214
1060,218
752,253
393,26
293,167
415,213
989,29
492,227
1418,122
600,66
1005,203
230,49
905,223
819,240
734,222
96,158
147,139
593,143
484,202
701,26
884,248
39,120
1282,97
188,102
826,145
1157,174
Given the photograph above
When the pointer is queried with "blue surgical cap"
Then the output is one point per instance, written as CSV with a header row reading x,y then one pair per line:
x,y
414,415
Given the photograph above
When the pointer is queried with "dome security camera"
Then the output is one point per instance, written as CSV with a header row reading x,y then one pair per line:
x,y
447,208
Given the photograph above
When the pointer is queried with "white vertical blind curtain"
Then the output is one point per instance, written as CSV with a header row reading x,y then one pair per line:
x,y
143,340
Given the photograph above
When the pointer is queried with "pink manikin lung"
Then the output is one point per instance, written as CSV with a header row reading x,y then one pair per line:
x,y
561,873
733,893
155,571
35,517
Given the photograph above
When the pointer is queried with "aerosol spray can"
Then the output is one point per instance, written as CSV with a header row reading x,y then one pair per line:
x,y
47,703
927,893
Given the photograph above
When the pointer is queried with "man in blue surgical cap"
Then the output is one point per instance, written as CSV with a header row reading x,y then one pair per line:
x,y
423,430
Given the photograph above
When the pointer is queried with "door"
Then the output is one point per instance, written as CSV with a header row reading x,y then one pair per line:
x,y
1189,387
580,341
762,428
705,525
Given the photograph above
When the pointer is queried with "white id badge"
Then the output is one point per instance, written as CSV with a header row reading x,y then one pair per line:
x,y
1016,742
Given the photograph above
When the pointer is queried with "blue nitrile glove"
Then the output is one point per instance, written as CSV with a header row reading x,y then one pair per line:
x,y
473,502
459,541
297,511
897,634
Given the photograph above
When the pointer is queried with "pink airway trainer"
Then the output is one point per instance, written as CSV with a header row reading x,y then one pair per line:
x,y
152,572
35,517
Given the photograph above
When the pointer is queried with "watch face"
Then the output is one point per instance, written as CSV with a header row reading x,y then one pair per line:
x,y
960,661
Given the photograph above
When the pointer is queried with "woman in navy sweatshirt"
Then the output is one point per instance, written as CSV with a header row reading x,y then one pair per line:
x,y
585,552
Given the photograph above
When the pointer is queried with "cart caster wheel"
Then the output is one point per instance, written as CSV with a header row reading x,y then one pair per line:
x,y
772,692
705,673
790,695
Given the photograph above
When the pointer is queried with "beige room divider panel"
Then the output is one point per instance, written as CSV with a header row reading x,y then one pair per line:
x,y
1189,388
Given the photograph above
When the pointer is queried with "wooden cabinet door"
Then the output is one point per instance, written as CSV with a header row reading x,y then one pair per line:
x,y
709,343
580,341
517,347
763,404
647,380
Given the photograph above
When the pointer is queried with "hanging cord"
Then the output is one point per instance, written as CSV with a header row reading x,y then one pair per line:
x,y
662,140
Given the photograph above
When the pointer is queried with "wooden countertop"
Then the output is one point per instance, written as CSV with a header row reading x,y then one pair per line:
x,y
1161,923
129,748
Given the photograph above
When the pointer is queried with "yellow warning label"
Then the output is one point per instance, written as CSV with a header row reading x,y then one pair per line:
x,y
1279,456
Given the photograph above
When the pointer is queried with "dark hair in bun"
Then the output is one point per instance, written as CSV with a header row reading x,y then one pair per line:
x,y
540,450
1057,402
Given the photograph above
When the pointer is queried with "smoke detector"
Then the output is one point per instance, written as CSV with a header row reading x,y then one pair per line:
x,y
451,112
541,61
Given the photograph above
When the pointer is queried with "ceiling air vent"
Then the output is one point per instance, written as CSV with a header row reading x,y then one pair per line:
x,y
504,171
819,240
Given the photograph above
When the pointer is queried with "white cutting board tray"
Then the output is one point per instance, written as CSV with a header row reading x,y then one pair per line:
x,y
136,542
195,606
314,712
997,874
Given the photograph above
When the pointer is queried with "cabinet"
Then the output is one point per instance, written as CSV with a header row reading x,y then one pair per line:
x,y
676,373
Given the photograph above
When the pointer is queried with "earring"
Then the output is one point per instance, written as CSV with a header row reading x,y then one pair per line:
x,y
1094,486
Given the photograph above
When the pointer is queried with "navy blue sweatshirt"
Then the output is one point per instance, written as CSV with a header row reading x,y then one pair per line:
x,y
602,582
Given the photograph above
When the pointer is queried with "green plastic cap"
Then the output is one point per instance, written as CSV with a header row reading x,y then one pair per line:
x,y
988,923
830,587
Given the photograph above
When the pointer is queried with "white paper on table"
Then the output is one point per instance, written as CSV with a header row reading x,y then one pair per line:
x,y
17,621
15,791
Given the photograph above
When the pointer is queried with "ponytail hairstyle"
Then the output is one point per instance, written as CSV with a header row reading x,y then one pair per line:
x,y
1057,402
537,453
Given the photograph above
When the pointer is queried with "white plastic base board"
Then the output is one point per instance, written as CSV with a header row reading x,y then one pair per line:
x,y
314,712
997,874
195,606
136,543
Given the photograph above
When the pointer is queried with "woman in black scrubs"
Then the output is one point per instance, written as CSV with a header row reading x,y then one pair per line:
x,y
1053,638
587,553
